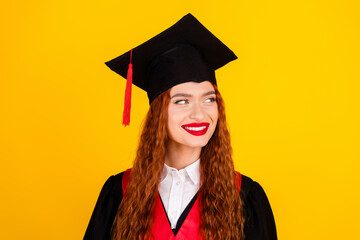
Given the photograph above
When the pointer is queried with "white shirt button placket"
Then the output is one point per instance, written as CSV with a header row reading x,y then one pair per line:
x,y
175,197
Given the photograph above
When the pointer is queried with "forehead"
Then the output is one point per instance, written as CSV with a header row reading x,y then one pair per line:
x,y
192,88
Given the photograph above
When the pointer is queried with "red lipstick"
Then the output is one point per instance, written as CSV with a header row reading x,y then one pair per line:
x,y
196,129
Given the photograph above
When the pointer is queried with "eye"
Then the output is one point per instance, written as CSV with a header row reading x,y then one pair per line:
x,y
182,101
211,99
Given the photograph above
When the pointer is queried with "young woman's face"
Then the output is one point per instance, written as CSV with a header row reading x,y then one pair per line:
x,y
192,113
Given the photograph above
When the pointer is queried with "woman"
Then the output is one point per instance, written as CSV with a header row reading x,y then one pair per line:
x,y
183,184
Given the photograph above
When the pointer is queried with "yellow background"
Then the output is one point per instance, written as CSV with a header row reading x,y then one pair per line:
x,y
292,103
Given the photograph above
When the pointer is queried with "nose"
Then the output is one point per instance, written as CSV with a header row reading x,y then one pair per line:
x,y
197,112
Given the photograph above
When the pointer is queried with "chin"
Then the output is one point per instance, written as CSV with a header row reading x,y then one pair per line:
x,y
197,143
190,142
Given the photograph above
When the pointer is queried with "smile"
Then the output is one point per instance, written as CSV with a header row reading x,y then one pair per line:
x,y
196,129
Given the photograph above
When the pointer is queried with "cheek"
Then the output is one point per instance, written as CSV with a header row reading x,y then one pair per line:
x,y
171,124
174,122
176,115
215,117
214,114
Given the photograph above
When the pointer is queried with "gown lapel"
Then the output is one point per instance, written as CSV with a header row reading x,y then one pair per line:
x,y
161,229
189,229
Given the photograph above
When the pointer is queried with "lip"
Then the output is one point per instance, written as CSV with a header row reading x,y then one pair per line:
x,y
196,125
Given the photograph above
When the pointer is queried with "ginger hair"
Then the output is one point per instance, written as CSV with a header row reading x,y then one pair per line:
x,y
221,207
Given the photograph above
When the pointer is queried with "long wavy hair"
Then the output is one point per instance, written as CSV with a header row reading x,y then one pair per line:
x,y
221,206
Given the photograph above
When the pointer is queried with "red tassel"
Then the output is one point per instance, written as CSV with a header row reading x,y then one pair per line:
x,y
127,102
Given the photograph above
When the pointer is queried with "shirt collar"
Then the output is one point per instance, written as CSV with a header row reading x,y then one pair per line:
x,y
164,172
193,171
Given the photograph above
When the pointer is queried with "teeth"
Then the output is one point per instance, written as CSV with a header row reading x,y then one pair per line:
x,y
195,128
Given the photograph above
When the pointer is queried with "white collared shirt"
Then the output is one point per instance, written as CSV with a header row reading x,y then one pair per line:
x,y
177,188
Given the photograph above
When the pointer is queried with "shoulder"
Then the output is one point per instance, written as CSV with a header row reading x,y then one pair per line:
x,y
105,209
113,185
259,219
254,197
248,186
117,178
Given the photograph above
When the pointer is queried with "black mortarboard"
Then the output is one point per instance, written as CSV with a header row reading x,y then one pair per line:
x,y
185,52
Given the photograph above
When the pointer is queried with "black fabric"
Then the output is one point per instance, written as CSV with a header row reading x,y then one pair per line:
x,y
184,52
259,219
105,209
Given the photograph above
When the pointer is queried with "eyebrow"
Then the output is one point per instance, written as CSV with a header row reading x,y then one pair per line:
x,y
189,95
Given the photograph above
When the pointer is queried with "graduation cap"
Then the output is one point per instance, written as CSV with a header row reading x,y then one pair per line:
x,y
185,52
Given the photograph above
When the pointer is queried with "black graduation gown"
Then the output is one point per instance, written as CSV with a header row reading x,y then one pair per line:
x,y
259,219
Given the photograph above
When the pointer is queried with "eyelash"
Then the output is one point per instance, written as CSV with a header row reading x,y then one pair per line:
x,y
178,101
212,99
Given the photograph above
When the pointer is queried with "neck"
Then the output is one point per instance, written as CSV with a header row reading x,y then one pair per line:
x,y
180,156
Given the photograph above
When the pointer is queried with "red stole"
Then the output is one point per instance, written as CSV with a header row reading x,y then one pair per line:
x,y
161,229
